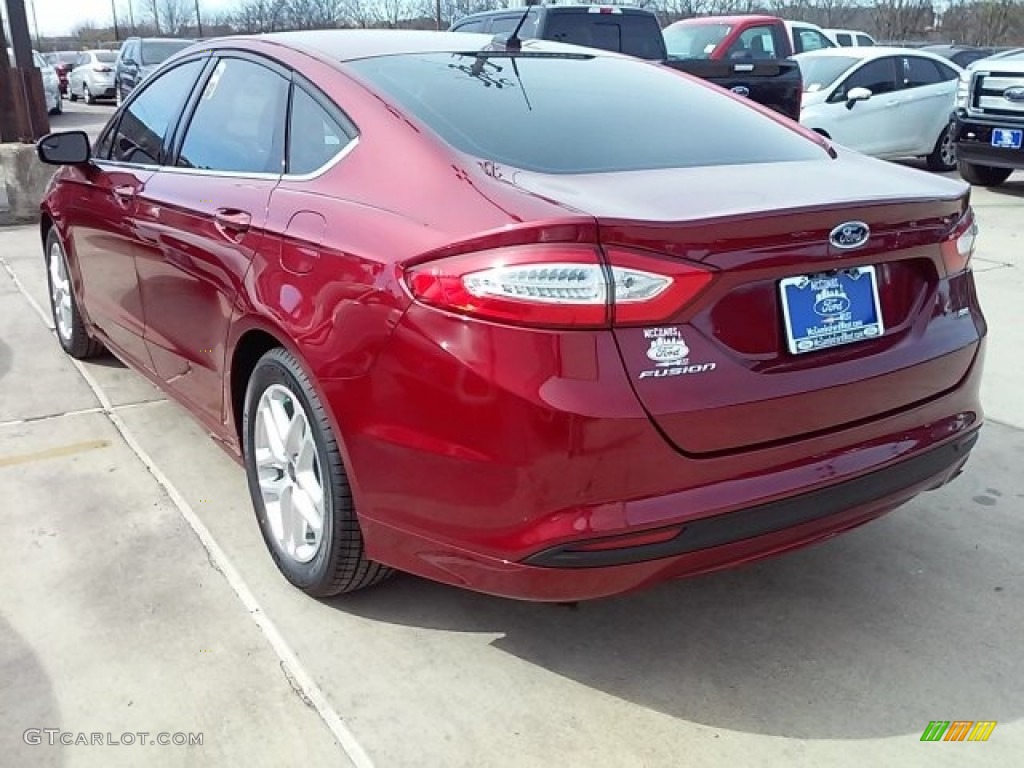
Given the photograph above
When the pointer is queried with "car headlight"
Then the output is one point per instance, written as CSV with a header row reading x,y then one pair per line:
x,y
963,90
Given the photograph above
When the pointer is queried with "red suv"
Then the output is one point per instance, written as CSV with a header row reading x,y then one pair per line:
x,y
483,313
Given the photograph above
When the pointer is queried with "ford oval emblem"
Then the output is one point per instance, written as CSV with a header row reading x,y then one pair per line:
x,y
1016,93
851,234
740,90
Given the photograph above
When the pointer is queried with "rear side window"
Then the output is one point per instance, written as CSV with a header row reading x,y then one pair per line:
x,y
625,115
631,33
805,39
504,25
315,137
754,43
864,40
475,25
844,39
918,72
140,133
238,123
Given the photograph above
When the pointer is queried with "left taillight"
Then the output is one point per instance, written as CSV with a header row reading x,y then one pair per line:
x,y
558,285
958,247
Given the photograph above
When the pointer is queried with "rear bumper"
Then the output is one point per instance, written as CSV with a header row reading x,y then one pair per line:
x,y
500,488
717,543
973,137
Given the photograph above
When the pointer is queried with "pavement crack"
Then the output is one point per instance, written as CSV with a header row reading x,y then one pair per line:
x,y
295,686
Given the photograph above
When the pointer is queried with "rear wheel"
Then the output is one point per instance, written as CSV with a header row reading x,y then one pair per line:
x,y
983,175
72,95
943,157
298,483
67,320
87,94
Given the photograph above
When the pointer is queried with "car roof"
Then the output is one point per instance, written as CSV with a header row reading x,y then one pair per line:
x,y
352,44
521,9
748,18
868,52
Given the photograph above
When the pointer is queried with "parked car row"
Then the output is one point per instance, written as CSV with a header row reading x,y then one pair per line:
x,y
92,75
502,343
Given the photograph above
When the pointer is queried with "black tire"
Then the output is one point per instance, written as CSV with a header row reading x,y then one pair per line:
x,y
943,156
72,95
76,342
87,94
340,564
983,175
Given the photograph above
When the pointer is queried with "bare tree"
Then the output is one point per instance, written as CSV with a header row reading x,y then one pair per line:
x,y
254,16
314,14
175,16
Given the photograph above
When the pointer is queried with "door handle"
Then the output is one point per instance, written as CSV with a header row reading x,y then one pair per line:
x,y
893,103
125,191
232,220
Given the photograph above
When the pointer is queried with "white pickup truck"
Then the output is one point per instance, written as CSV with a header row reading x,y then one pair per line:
x,y
988,123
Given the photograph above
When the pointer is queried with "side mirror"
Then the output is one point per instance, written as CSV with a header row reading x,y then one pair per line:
x,y
65,148
857,94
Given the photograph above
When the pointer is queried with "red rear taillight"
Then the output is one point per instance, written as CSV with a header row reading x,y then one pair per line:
x,y
958,247
558,285
101,69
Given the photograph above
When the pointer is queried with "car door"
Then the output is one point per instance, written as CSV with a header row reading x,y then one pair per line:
x,y
202,218
927,97
866,126
102,217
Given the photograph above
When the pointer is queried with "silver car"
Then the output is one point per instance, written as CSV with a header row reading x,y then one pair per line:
x,y
92,76
51,82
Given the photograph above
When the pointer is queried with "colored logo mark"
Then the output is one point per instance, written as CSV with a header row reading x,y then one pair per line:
x,y
958,730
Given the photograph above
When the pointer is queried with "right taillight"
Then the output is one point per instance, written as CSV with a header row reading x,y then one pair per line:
x,y
558,285
958,247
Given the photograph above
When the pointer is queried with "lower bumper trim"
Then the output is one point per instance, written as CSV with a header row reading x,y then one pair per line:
x,y
772,517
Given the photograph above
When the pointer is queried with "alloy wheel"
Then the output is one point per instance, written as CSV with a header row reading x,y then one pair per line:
x,y
60,292
947,150
289,469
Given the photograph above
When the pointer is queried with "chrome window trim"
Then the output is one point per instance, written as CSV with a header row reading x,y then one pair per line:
x,y
337,158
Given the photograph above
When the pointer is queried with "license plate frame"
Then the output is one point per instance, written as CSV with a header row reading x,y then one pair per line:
x,y
831,309
1007,138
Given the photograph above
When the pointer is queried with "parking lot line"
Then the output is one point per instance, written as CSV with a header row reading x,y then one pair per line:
x,y
298,677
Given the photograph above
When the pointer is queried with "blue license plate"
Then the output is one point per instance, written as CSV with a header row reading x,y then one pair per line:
x,y
827,310
1007,138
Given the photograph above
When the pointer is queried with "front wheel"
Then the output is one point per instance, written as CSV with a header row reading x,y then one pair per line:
x,y
983,175
67,320
298,483
943,157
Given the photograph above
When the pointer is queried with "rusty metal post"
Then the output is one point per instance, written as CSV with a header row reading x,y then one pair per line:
x,y
24,82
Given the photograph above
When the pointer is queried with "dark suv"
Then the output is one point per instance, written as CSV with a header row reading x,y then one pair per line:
x,y
139,56
632,31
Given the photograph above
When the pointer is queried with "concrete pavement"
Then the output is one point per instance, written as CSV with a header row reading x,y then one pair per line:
x,y
837,655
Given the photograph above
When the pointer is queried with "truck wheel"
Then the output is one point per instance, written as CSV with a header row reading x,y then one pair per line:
x,y
943,157
983,175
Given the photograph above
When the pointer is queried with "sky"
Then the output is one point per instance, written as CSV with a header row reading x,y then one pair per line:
x,y
59,17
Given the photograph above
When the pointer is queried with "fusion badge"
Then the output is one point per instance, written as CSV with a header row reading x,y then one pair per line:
x,y
670,354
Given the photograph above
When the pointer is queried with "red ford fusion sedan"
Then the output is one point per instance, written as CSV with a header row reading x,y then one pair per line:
x,y
538,321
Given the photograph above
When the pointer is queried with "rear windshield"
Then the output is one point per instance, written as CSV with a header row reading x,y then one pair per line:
x,y
821,71
624,114
158,51
635,34
695,41
105,57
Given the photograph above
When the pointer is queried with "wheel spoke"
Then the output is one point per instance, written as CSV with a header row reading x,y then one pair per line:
x,y
272,482
306,475
273,435
302,505
297,430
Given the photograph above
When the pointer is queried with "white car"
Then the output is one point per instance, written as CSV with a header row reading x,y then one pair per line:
x,y
884,102
92,76
849,38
